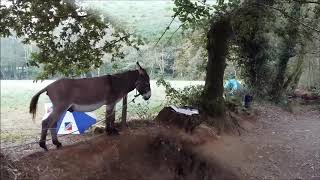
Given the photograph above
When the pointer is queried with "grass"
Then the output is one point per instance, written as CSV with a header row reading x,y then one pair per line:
x,y
16,123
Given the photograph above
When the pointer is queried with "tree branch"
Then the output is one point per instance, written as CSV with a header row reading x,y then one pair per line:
x,y
75,16
293,19
307,2
118,40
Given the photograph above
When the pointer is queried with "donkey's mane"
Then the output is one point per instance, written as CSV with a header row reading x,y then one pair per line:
x,y
124,73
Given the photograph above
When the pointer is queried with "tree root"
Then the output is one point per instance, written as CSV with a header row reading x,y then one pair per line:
x,y
227,123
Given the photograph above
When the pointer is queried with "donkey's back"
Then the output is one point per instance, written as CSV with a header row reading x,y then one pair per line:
x,y
81,91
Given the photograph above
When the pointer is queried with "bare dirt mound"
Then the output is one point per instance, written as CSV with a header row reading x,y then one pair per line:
x,y
276,145
7,168
147,153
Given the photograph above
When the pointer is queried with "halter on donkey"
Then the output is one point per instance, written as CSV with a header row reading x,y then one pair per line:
x,y
89,94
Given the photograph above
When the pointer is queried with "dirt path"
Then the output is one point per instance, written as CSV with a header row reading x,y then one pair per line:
x,y
281,145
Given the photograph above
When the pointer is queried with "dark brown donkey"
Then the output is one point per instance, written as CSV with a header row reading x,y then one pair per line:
x,y
89,94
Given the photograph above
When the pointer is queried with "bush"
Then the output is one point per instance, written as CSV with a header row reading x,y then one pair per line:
x,y
188,96
145,111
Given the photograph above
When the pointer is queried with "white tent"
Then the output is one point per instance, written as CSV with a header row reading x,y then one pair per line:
x,y
72,122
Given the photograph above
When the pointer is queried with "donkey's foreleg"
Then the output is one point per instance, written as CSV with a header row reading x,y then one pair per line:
x,y
110,118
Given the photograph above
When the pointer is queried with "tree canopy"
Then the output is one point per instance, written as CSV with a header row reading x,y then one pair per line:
x,y
266,34
71,40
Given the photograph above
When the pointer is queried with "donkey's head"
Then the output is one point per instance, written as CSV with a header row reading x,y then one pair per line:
x,y
143,83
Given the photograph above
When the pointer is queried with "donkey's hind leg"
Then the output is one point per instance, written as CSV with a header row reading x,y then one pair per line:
x,y
53,132
44,131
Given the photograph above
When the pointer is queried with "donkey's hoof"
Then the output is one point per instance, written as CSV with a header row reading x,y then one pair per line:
x,y
43,145
112,131
57,143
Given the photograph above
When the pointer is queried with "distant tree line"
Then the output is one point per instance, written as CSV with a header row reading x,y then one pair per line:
x,y
171,62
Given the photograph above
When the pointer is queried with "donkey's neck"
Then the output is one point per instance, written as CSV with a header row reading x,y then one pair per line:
x,y
123,83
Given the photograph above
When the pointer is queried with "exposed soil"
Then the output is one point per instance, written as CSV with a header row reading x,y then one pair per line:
x,y
280,145
284,145
277,144
151,153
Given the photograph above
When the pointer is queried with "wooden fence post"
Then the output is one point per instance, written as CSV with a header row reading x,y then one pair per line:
x,y
124,112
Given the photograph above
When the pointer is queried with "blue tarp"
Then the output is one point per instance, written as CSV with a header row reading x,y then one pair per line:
x,y
75,122
232,85
72,122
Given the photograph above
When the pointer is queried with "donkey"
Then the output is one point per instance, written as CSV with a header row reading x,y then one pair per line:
x,y
89,94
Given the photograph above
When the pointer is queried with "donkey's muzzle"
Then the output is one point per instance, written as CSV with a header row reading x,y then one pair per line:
x,y
147,95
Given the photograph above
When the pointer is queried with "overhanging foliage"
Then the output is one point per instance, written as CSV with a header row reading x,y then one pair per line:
x,y
71,40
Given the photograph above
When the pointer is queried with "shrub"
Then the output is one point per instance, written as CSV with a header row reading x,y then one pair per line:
x,y
188,96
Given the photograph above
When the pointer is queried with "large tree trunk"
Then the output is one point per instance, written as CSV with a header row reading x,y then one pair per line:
x,y
288,51
254,44
291,83
217,46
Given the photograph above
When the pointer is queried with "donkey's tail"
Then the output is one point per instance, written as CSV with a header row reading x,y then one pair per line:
x,y
34,102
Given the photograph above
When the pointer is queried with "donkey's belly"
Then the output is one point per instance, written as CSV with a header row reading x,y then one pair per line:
x,y
86,108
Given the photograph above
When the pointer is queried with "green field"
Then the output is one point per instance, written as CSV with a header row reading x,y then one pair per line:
x,y
146,18
16,95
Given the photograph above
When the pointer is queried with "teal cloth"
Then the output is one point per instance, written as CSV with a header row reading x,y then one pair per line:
x,y
233,86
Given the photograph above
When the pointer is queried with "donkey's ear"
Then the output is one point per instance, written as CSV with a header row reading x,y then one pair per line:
x,y
139,65
140,69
